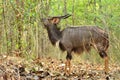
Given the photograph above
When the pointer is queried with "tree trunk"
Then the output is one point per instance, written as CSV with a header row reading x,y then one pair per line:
x,y
19,17
5,27
73,14
65,10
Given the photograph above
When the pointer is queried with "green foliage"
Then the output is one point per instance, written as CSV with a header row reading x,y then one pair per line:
x,y
34,40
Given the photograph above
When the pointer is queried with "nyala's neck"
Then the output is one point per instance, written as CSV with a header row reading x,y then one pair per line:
x,y
54,34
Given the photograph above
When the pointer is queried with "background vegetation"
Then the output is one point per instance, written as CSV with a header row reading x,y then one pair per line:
x,y
22,33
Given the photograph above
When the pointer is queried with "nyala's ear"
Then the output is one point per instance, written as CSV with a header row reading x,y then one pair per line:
x,y
55,20
65,16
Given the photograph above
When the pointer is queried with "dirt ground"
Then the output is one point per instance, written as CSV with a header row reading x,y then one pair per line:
x,y
16,68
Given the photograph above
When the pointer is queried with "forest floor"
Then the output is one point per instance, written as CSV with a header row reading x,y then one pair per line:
x,y
17,68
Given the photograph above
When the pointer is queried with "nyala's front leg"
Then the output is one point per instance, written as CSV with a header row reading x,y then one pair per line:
x,y
67,67
68,64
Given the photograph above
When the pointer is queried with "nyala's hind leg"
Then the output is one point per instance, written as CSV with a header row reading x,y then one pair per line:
x,y
104,55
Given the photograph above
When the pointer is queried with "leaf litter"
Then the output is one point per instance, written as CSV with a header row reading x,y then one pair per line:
x,y
17,68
